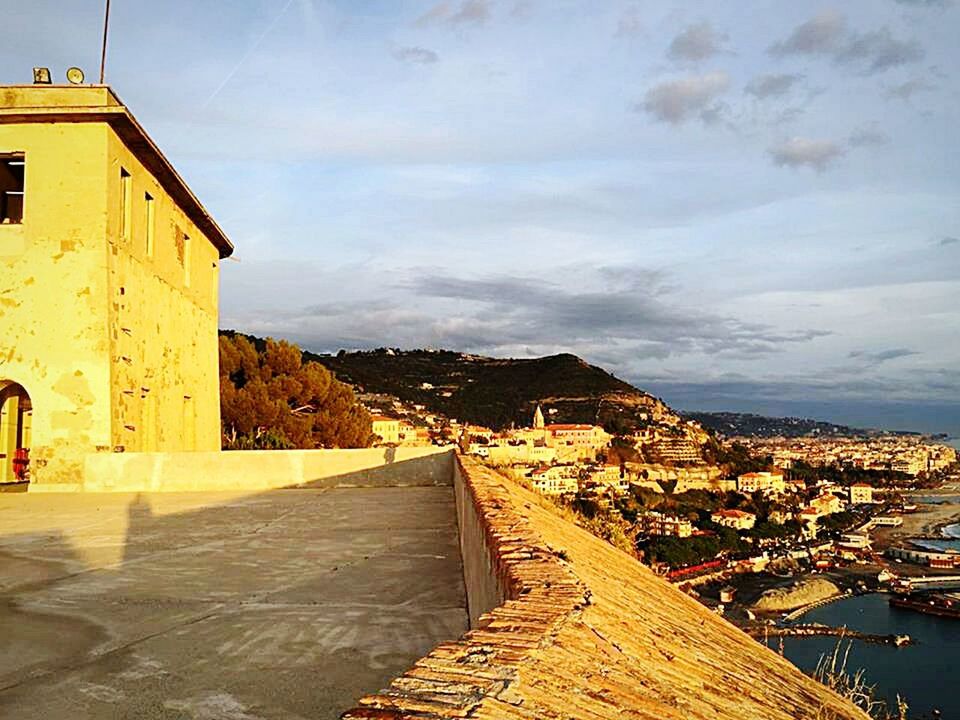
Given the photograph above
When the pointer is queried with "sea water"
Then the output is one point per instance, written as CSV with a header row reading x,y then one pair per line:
x,y
924,673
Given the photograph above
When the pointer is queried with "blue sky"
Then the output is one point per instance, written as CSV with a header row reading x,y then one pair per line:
x,y
741,205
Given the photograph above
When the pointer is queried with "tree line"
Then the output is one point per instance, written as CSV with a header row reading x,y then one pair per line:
x,y
271,399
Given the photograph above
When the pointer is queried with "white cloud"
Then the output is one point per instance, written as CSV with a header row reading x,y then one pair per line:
x,y
697,42
676,101
801,151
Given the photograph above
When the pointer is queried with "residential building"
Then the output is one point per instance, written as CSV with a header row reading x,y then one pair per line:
x,y
102,240
827,503
654,523
555,480
736,519
861,494
387,429
766,482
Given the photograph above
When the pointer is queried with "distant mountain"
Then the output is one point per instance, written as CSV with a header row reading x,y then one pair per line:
x,y
748,425
500,392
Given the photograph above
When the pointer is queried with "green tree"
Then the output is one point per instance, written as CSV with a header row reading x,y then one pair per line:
x,y
271,399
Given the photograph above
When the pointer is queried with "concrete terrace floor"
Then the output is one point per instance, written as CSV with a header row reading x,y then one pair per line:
x,y
211,606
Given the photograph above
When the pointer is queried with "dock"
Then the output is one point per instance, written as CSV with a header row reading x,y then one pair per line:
x,y
816,629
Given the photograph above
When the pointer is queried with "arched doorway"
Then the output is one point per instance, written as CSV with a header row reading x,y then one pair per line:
x,y
16,424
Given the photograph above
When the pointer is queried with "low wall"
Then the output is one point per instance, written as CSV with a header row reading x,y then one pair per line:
x,y
486,588
265,469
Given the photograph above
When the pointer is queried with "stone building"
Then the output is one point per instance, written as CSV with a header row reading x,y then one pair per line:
x,y
109,269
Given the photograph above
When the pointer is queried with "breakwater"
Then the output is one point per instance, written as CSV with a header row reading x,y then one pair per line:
x,y
816,629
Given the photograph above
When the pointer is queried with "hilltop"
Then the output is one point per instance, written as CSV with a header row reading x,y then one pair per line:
x,y
497,392
732,424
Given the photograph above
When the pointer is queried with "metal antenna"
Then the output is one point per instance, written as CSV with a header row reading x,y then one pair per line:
x,y
103,51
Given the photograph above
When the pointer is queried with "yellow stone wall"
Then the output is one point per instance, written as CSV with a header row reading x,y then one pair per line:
x,y
54,294
114,347
165,393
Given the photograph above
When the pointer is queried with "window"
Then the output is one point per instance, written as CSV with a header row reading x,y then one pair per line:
x,y
183,252
186,261
151,222
189,440
11,189
148,436
125,182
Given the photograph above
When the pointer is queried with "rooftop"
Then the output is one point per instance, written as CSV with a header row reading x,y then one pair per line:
x,y
98,103
283,604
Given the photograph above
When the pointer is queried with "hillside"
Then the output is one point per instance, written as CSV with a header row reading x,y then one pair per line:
x,y
732,424
500,392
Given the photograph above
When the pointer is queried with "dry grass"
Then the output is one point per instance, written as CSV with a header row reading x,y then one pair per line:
x,y
832,671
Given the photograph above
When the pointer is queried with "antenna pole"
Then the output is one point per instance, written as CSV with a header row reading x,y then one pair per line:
x,y
103,50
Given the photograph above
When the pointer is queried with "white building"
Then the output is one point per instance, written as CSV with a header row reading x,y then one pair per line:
x,y
736,519
654,523
768,482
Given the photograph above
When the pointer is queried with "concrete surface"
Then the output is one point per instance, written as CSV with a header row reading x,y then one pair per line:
x,y
214,606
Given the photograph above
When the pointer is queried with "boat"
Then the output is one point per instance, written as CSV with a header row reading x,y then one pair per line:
x,y
939,605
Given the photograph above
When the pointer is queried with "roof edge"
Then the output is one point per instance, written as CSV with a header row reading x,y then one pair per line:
x,y
118,116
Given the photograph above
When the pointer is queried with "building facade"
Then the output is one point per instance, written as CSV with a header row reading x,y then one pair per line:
x,y
861,494
109,281
654,523
387,429
767,482
736,519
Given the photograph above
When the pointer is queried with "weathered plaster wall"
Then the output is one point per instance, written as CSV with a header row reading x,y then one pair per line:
x,y
163,319
117,346
53,294
266,469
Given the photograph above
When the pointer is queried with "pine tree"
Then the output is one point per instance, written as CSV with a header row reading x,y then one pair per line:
x,y
271,399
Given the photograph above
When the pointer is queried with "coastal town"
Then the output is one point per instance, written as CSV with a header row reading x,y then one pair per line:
x,y
745,536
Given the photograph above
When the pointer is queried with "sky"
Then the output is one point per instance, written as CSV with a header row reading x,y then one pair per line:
x,y
748,206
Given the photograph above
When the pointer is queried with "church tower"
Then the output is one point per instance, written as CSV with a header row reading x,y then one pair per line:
x,y
538,422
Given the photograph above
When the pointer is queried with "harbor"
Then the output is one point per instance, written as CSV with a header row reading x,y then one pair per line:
x,y
916,671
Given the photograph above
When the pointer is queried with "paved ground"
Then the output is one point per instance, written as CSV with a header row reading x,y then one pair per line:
x,y
287,604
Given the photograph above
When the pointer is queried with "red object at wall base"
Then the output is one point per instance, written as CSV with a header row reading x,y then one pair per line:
x,y
21,463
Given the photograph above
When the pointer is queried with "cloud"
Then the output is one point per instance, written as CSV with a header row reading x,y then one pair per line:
x,y
622,313
879,50
827,34
629,316
866,136
944,242
881,356
697,42
906,90
800,151
764,86
475,12
675,101
822,34
416,55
